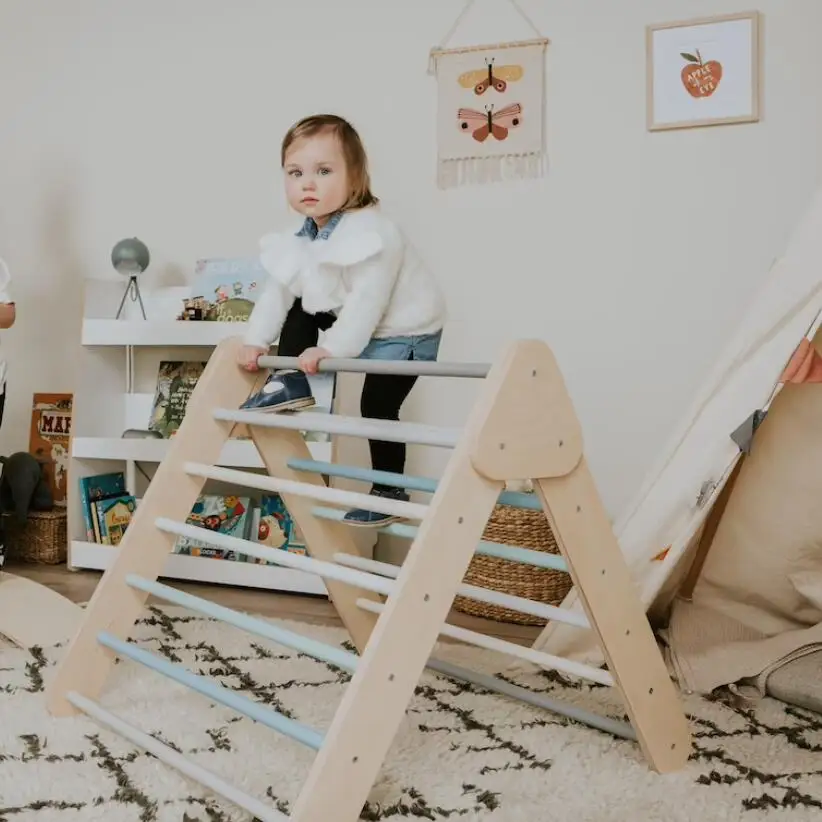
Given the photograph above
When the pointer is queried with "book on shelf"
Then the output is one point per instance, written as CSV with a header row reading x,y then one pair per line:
x,y
49,438
277,528
177,379
107,507
223,513
225,289
111,517
264,522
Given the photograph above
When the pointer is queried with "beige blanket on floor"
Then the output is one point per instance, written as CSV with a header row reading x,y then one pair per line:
x,y
758,602
799,682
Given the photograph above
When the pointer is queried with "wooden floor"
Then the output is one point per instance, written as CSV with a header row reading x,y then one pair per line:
x,y
78,586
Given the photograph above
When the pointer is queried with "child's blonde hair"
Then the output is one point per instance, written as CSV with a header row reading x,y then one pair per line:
x,y
356,159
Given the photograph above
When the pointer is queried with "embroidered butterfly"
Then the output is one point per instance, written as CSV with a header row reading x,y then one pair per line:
x,y
490,77
490,122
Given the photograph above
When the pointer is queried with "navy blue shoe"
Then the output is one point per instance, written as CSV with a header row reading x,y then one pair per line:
x,y
283,391
373,519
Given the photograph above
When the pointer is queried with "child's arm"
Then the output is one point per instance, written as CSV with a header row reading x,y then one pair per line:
x,y
8,311
365,305
268,315
8,314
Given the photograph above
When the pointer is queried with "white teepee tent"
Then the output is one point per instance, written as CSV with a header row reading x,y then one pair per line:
x,y
706,467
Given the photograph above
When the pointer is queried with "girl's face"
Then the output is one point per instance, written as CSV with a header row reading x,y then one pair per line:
x,y
316,177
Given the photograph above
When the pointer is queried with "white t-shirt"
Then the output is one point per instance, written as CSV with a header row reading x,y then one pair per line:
x,y
5,298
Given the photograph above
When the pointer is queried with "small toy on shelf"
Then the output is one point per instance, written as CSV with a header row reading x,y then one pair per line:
x,y
195,308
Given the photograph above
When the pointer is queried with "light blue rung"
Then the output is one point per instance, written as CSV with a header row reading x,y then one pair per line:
x,y
513,553
425,484
203,685
289,639
603,723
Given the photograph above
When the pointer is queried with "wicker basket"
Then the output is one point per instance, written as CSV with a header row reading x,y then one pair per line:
x,y
43,538
525,529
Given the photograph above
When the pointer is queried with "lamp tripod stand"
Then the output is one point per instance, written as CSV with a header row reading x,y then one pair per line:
x,y
132,288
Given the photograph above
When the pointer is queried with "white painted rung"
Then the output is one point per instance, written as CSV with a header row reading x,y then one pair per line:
x,y
543,660
525,606
350,499
286,559
167,755
409,432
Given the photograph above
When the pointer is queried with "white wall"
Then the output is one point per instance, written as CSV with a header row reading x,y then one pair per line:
x,y
631,257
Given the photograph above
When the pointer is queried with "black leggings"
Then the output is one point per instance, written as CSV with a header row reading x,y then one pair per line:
x,y
382,394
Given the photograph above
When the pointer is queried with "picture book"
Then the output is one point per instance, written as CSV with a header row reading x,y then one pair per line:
x,y
98,487
226,514
49,438
175,384
228,287
112,517
277,528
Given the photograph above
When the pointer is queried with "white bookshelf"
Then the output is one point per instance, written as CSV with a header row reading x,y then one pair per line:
x,y
115,389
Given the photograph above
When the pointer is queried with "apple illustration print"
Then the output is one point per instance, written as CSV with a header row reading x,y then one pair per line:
x,y
700,79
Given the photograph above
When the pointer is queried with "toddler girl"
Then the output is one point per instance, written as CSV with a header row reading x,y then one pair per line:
x,y
350,273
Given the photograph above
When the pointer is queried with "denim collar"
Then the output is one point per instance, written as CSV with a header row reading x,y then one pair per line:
x,y
311,230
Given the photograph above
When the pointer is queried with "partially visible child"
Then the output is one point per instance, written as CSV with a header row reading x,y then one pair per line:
x,y
350,273
8,314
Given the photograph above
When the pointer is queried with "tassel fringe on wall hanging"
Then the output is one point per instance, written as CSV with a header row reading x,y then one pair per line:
x,y
490,109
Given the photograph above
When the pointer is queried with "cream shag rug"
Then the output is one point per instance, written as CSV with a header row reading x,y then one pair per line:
x,y
461,754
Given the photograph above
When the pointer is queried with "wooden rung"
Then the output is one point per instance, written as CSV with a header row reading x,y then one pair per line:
x,y
207,687
412,368
167,754
410,483
615,727
287,559
351,499
541,610
485,548
543,660
289,639
408,432
503,438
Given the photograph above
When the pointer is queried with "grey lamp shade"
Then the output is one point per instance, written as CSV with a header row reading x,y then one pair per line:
x,y
130,256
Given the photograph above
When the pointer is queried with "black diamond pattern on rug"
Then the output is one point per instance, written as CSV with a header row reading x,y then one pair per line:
x,y
460,754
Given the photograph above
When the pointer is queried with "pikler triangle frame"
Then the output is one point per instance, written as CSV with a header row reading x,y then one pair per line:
x,y
522,425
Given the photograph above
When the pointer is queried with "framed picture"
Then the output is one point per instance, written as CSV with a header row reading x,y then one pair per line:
x,y
703,72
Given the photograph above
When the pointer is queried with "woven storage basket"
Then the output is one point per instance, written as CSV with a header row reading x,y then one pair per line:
x,y
524,529
41,539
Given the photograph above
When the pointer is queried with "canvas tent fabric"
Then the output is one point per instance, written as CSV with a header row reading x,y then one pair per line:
x,y
758,599
660,531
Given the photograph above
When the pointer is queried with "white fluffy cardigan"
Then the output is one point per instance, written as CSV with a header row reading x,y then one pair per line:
x,y
366,273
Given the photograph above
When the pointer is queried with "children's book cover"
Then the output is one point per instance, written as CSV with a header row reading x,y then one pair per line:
x,y
226,514
98,487
229,287
176,381
277,528
113,517
49,439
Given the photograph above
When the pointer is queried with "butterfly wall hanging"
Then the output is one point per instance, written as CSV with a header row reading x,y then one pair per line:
x,y
490,113
489,123
490,107
492,77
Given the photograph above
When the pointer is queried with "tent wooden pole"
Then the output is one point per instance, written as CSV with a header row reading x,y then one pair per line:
x,y
686,592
